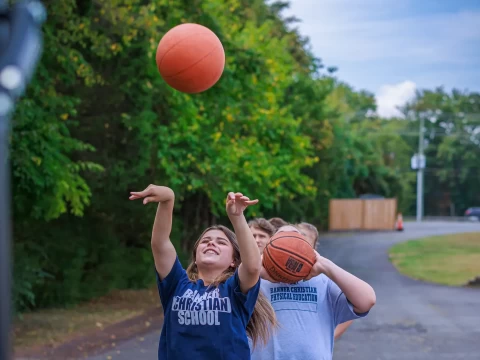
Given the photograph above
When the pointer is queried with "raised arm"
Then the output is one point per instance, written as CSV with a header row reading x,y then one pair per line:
x,y
249,269
163,250
358,292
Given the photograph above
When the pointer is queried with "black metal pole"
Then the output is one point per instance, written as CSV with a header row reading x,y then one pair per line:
x,y
5,221
20,48
5,243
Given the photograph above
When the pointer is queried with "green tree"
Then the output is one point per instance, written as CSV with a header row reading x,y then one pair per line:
x,y
452,123
98,122
105,94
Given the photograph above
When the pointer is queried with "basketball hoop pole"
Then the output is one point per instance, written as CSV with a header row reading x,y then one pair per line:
x,y
20,47
5,243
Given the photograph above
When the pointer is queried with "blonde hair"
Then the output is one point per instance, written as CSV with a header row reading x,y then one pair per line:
x,y
263,320
309,227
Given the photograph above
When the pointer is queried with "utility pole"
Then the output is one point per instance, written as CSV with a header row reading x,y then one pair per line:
x,y
420,172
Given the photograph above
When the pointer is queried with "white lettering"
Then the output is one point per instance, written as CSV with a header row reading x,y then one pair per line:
x,y
204,309
203,317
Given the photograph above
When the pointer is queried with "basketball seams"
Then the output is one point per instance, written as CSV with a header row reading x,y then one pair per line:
x,y
190,58
271,243
172,47
293,253
267,252
213,77
289,237
279,267
195,63
203,31
276,254
282,268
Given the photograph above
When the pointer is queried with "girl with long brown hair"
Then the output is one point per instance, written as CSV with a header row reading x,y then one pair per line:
x,y
211,307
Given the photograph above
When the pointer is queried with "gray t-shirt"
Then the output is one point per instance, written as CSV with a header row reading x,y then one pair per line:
x,y
308,313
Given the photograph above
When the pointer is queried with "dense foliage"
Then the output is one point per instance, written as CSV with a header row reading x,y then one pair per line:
x,y
98,122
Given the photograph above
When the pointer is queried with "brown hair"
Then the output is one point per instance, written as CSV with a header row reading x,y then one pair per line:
x,y
277,222
263,319
262,224
311,228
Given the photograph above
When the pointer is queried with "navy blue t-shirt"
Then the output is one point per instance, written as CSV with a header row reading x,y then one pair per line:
x,y
202,322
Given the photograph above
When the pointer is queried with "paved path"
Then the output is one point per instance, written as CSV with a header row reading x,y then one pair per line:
x,y
412,320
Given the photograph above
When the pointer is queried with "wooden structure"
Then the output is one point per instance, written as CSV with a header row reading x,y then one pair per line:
x,y
362,214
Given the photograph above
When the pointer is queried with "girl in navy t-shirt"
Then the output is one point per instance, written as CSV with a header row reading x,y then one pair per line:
x,y
211,307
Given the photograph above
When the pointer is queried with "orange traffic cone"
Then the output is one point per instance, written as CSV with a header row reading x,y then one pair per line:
x,y
399,224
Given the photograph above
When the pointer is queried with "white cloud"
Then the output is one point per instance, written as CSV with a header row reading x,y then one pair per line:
x,y
390,97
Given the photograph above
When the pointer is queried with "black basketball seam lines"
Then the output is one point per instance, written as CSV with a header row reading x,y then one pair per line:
x,y
295,237
195,63
280,267
173,46
294,254
288,251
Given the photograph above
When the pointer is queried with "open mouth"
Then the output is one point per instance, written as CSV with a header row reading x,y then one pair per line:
x,y
210,251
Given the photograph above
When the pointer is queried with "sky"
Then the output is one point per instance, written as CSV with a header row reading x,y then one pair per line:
x,y
394,47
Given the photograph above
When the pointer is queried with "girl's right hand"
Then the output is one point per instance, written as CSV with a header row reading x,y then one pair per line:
x,y
236,203
153,193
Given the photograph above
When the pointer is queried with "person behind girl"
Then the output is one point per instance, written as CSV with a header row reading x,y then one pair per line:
x,y
309,311
262,231
211,307
311,233
277,222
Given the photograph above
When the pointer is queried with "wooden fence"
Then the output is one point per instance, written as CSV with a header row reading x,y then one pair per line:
x,y
360,214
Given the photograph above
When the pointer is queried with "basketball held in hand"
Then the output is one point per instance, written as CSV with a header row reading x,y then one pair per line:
x,y
190,58
288,257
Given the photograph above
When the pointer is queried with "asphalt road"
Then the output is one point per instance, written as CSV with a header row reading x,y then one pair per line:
x,y
411,320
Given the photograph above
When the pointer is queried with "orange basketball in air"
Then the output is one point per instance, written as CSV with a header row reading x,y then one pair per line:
x,y
288,257
190,58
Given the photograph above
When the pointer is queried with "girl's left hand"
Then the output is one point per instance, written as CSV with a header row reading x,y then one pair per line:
x,y
237,203
264,275
320,267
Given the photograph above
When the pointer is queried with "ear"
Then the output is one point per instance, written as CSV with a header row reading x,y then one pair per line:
x,y
232,264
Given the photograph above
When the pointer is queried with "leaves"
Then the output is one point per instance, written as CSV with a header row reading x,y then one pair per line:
x,y
98,121
452,124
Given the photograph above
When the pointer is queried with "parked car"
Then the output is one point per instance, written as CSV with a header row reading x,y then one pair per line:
x,y
473,213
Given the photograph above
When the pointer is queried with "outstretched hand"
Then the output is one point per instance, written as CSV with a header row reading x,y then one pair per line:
x,y
153,193
237,203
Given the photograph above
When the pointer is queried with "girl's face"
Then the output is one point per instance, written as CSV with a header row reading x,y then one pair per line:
x,y
214,250
261,237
